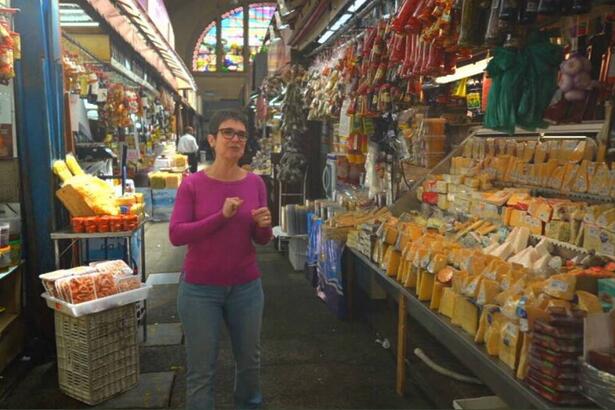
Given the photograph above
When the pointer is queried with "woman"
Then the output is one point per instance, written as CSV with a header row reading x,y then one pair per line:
x,y
219,213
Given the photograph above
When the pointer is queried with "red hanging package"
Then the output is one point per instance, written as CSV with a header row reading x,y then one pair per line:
x,y
404,15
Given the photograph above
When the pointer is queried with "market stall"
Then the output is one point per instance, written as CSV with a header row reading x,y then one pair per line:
x,y
486,131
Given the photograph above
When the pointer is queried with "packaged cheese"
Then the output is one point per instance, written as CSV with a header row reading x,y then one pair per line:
x,y
599,183
561,286
541,153
510,344
447,302
588,302
495,322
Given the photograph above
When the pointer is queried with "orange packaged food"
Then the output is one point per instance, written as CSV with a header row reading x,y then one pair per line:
x,y
116,267
77,289
103,224
105,284
78,224
126,283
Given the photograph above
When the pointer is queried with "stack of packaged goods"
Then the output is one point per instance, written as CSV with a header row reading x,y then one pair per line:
x,y
132,211
432,142
556,344
88,283
165,180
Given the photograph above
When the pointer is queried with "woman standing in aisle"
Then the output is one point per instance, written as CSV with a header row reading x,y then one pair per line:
x,y
219,213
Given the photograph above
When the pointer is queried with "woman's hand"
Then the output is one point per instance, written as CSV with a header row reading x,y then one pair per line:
x,y
262,217
231,206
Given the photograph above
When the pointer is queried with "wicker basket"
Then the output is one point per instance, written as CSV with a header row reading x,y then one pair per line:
x,y
98,354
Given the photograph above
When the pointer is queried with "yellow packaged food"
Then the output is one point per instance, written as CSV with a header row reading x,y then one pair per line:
x,y
561,286
588,302
495,322
510,344
73,165
61,170
447,302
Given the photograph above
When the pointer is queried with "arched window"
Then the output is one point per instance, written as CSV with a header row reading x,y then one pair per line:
x,y
230,39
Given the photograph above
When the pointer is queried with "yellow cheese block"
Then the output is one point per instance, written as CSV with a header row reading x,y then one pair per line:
x,y
510,344
426,286
523,356
540,155
447,302
556,178
390,234
487,292
588,302
570,173
411,278
472,286
517,218
436,295
465,315
547,171
492,334
558,230
459,279
581,180
599,184
539,208
507,215
399,276
393,262
561,286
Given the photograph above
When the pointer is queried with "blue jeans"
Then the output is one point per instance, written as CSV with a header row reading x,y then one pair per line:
x,y
201,310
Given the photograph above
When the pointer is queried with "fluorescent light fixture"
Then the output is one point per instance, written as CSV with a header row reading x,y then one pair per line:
x,y
466,71
356,5
341,21
325,36
80,24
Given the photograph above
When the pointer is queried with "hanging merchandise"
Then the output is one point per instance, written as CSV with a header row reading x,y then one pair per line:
x,y
524,81
575,77
9,47
293,162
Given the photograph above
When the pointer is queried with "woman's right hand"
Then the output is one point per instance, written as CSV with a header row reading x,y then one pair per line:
x,y
231,206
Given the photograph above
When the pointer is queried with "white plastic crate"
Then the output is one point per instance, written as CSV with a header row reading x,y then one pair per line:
x,y
97,305
98,354
297,253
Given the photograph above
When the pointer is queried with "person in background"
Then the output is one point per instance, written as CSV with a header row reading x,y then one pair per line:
x,y
220,213
187,145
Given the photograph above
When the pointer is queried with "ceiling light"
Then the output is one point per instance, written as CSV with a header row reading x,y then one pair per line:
x,y
341,21
356,5
325,36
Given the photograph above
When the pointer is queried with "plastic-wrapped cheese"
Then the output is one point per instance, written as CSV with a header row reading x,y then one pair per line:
x,y
447,302
588,302
510,344
561,286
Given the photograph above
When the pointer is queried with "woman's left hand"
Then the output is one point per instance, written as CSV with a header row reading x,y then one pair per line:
x,y
262,217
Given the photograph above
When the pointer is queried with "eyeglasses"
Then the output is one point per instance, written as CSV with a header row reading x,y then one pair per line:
x,y
229,133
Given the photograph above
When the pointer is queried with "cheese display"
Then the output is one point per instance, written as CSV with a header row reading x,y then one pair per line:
x,y
493,281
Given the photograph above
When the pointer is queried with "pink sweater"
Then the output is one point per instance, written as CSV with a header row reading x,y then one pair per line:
x,y
220,250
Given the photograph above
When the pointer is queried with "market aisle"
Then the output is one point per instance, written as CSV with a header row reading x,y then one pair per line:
x,y
310,359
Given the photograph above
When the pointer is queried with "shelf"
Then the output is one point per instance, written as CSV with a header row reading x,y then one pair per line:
x,y
8,271
5,320
587,127
495,374
67,233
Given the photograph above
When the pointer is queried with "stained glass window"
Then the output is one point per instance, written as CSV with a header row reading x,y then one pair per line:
x,y
233,38
259,18
205,53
